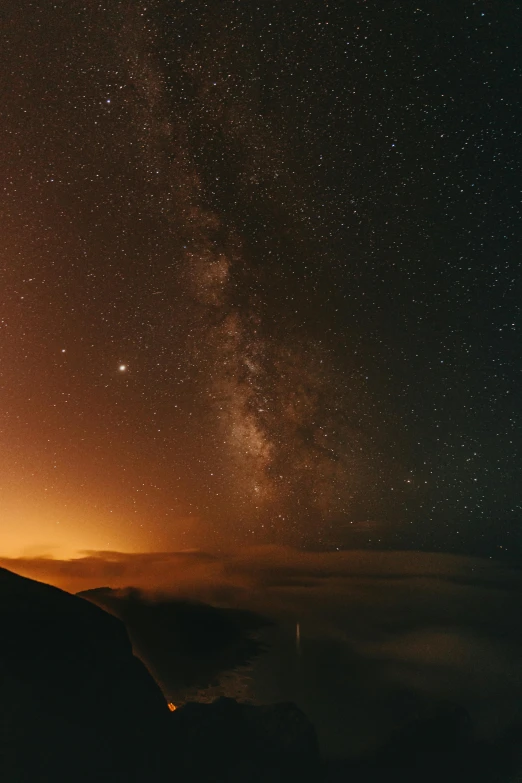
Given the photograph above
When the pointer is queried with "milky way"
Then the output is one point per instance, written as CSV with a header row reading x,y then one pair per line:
x,y
288,456
258,280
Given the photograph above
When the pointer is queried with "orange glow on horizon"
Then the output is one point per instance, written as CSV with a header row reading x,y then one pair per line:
x,y
34,527
172,707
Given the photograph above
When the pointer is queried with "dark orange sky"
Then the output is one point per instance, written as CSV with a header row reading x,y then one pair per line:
x,y
256,278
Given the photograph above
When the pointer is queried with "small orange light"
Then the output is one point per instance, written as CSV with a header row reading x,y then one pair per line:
x,y
171,706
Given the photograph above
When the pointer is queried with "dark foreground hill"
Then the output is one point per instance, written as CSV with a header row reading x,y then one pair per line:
x,y
76,706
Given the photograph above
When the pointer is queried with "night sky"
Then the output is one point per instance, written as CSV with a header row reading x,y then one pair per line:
x,y
259,275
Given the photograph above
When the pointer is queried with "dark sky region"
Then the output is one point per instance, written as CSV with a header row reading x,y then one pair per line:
x,y
260,275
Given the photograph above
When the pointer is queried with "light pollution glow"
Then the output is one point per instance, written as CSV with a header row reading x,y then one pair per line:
x,y
32,528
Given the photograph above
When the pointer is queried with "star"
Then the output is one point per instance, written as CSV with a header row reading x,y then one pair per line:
x,y
122,367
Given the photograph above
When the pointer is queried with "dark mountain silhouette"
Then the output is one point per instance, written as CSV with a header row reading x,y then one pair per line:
x,y
240,743
76,705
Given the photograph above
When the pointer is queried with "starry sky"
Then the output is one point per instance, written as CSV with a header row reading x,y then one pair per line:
x,y
259,275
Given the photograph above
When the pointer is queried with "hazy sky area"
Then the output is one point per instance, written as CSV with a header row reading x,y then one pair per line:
x,y
259,276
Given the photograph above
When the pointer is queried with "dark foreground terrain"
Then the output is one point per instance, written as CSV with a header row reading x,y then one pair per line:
x,y
77,706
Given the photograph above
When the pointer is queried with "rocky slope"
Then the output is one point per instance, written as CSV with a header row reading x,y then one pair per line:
x,y
75,704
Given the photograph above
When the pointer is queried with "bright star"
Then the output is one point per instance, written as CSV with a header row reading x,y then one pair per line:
x,y
122,367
